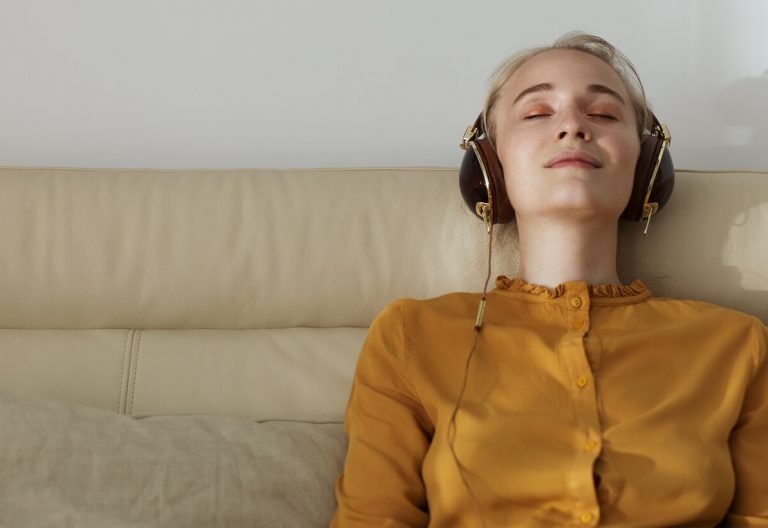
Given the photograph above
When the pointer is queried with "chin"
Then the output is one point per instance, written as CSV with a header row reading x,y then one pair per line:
x,y
575,210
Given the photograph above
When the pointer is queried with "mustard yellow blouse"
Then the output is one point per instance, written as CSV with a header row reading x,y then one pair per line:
x,y
585,405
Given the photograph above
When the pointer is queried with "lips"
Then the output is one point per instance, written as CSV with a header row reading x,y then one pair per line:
x,y
574,158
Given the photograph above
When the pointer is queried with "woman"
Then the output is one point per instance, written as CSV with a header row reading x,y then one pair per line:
x,y
587,402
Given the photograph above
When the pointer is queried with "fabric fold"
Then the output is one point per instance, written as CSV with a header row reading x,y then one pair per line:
x,y
637,287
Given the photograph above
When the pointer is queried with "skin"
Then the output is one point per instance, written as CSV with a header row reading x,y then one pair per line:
x,y
567,214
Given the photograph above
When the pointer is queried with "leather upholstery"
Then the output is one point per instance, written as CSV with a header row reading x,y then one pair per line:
x,y
248,292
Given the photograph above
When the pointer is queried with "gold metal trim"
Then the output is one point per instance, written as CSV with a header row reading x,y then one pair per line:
x,y
485,212
666,135
650,208
480,312
469,134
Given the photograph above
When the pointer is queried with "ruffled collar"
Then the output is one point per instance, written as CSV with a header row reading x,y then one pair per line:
x,y
635,291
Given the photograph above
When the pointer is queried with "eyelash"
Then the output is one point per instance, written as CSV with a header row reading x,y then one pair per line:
x,y
602,116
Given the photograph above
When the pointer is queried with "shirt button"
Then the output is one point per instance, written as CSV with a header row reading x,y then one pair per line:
x,y
585,518
577,325
576,302
590,445
582,382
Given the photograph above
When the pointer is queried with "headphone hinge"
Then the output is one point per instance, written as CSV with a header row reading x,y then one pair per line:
x,y
666,135
649,210
469,134
483,210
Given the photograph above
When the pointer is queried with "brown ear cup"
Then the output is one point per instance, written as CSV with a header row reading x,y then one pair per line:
x,y
481,177
662,185
480,171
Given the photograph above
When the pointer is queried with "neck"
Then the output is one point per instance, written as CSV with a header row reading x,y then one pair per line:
x,y
555,252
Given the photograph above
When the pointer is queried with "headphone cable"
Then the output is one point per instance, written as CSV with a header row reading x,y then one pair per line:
x,y
451,434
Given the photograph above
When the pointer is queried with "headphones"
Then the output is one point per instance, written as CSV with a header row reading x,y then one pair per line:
x,y
481,176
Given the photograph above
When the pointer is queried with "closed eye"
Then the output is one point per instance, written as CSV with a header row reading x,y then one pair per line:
x,y
603,116
535,116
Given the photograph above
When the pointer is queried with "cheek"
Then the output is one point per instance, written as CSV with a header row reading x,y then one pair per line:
x,y
515,157
633,152
627,153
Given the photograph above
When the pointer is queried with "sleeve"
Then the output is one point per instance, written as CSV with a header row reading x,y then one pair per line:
x,y
749,445
388,432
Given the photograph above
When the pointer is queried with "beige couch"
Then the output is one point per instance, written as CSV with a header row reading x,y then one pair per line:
x,y
177,347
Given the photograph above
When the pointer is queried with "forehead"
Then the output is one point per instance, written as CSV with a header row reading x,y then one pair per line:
x,y
563,69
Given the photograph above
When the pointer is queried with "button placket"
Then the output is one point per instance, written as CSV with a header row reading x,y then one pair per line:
x,y
578,311
581,482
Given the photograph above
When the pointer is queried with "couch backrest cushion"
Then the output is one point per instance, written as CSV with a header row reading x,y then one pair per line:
x,y
281,374
228,249
92,248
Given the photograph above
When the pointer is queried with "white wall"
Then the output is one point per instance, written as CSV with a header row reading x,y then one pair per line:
x,y
301,83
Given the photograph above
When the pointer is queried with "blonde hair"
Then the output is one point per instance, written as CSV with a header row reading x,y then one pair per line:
x,y
579,41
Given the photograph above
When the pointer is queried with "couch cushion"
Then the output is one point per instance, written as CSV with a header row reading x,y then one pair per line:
x,y
151,249
66,465
302,374
133,248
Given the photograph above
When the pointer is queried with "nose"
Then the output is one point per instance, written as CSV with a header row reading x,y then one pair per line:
x,y
572,125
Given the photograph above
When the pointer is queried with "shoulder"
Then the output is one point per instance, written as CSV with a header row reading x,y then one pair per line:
x,y
714,320
449,306
406,321
683,308
409,319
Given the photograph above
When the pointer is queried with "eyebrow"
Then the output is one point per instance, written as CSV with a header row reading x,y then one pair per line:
x,y
592,88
